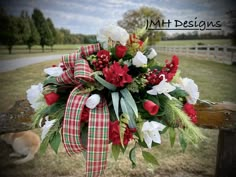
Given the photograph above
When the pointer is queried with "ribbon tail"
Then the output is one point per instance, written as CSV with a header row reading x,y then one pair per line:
x,y
71,129
98,140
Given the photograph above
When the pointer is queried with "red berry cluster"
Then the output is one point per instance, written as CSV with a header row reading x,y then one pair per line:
x,y
153,77
103,58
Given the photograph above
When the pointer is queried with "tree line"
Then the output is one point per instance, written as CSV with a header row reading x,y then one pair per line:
x,y
35,30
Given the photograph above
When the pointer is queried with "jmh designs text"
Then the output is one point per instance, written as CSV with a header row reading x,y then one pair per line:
x,y
182,25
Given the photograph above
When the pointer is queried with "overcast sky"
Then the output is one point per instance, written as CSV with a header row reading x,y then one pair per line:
x,y
87,16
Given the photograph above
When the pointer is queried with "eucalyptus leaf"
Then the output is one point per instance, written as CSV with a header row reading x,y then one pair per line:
x,y
130,100
105,83
115,100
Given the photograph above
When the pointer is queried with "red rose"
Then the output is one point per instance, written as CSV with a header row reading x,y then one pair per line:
x,y
51,98
117,75
114,133
120,51
151,107
190,111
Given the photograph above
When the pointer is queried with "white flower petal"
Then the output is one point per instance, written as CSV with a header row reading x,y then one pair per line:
x,y
139,59
45,129
155,136
34,96
152,54
93,101
113,32
191,88
53,71
147,139
151,132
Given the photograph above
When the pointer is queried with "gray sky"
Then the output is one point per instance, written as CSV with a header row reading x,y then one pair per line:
x,y
87,16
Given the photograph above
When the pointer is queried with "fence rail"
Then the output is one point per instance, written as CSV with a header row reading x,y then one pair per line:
x,y
221,54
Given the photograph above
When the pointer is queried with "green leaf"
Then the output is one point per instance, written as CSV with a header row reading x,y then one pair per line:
x,y
115,100
132,157
55,141
50,80
178,93
105,83
139,128
115,151
172,136
126,109
130,100
149,158
182,141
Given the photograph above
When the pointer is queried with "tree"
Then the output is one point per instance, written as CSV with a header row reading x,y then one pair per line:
x,y
29,33
46,37
9,31
54,33
232,25
134,19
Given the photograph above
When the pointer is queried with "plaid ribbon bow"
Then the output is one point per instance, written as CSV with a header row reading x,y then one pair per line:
x,y
77,72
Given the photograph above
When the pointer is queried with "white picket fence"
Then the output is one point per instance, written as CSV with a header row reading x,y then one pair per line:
x,y
221,54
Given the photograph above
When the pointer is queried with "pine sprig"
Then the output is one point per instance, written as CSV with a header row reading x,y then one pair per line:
x,y
174,113
124,120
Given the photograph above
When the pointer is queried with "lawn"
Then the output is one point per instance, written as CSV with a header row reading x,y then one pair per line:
x,y
195,42
216,83
21,51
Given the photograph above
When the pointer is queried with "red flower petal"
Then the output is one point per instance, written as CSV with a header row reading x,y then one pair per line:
x,y
151,107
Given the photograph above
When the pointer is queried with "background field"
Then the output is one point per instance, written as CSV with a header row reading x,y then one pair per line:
x,y
216,83
21,51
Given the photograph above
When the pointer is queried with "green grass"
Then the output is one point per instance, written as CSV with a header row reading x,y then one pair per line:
x,y
216,83
21,51
195,42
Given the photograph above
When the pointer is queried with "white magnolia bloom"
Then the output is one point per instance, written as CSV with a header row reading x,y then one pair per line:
x,y
46,127
191,88
93,101
163,87
113,32
152,53
139,59
54,71
151,132
34,96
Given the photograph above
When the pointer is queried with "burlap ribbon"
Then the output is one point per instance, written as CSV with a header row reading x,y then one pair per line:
x,y
78,72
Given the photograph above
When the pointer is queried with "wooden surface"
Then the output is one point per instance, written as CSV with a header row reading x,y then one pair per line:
x,y
226,154
216,115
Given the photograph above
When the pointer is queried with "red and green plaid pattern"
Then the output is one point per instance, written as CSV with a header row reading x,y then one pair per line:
x,y
77,69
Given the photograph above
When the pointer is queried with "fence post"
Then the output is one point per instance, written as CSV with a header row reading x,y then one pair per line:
x,y
226,154
208,52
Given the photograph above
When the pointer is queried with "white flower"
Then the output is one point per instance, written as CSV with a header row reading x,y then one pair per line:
x,y
191,88
53,71
151,132
139,59
46,127
93,101
113,32
152,53
163,87
35,96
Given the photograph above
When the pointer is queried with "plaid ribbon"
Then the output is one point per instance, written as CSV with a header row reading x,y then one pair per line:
x,y
77,72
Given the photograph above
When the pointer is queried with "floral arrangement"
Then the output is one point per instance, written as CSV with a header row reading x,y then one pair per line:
x,y
114,92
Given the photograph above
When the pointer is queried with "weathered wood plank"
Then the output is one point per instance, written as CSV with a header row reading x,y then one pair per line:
x,y
216,115
226,154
